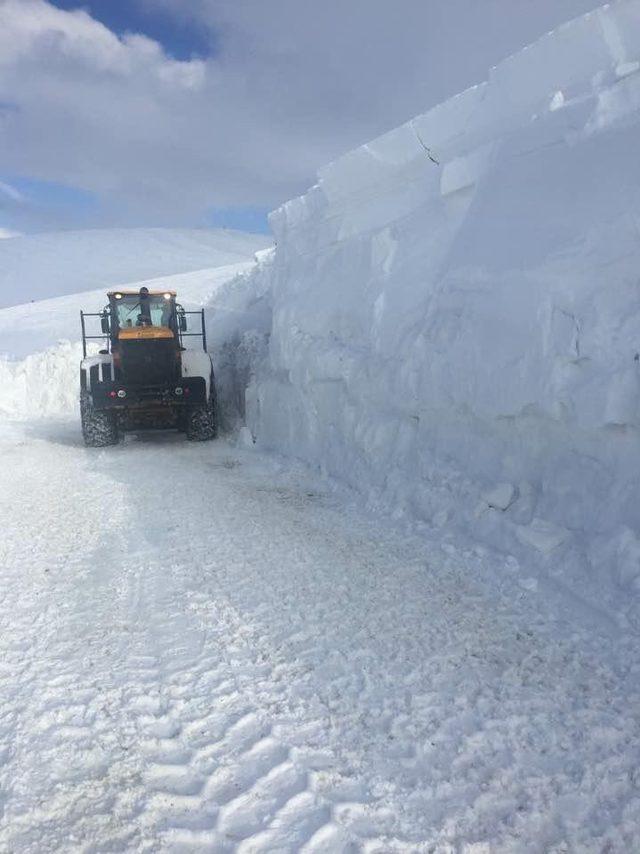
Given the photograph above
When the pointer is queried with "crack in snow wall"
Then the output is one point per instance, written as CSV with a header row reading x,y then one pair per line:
x,y
447,330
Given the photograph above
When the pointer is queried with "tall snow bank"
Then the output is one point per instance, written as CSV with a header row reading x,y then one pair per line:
x,y
44,385
456,313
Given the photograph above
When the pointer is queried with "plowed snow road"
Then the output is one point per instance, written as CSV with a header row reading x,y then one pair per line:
x,y
203,650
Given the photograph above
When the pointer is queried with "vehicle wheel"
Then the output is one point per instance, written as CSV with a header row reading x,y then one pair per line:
x,y
99,428
201,423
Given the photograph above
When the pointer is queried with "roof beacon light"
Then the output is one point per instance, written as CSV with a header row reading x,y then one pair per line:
x,y
118,296
167,296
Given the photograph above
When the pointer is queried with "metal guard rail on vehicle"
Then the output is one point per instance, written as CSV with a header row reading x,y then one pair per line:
x,y
106,337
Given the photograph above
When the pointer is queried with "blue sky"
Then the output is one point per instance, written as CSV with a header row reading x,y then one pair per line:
x,y
48,204
37,205
181,37
54,205
194,113
43,205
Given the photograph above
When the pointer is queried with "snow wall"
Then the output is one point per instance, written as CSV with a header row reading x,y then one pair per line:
x,y
43,385
454,315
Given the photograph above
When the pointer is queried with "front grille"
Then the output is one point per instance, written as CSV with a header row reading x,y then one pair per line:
x,y
149,362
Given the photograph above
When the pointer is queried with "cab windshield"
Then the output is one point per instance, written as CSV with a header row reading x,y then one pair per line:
x,y
136,310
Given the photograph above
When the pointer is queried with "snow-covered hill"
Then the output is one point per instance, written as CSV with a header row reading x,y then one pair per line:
x,y
456,316
39,266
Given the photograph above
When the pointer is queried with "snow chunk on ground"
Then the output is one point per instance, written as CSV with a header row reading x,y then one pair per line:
x,y
501,496
543,536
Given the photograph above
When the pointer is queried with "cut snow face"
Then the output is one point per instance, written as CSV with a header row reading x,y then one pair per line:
x,y
456,313
38,266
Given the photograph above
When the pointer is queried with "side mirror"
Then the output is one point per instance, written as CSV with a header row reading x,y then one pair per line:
x,y
182,321
104,323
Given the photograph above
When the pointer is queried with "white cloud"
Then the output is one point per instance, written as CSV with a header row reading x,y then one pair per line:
x,y
6,233
293,84
10,192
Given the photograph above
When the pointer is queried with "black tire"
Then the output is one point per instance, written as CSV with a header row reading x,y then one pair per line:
x,y
99,428
201,422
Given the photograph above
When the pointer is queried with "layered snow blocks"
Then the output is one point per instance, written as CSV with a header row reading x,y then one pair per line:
x,y
145,378
445,326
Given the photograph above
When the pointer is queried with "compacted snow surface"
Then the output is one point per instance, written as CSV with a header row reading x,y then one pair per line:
x,y
205,649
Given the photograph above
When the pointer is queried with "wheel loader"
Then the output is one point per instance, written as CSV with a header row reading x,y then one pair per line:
x,y
145,377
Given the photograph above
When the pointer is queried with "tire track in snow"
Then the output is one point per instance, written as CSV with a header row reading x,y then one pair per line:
x,y
183,754
232,662
64,752
231,776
